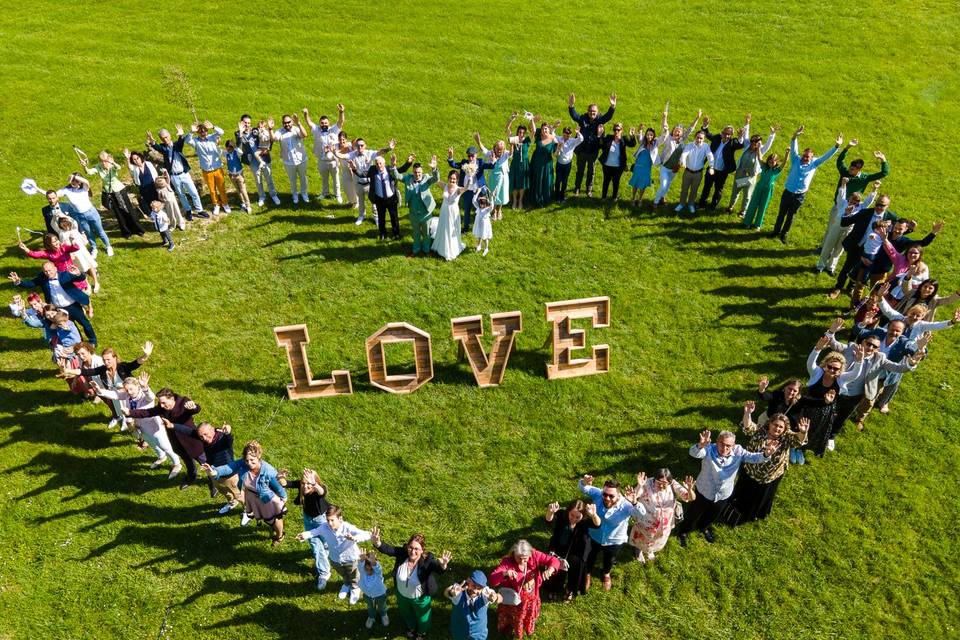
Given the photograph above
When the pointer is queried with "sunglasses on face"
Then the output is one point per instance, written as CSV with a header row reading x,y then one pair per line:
x,y
609,496
833,367
287,123
871,345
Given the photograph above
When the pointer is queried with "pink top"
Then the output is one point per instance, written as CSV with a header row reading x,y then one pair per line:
x,y
535,565
61,258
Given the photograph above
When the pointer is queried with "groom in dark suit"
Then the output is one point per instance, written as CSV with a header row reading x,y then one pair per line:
x,y
383,193
60,289
723,145
471,178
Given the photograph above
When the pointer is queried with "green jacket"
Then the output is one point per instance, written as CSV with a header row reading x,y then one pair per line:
x,y
417,194
859,182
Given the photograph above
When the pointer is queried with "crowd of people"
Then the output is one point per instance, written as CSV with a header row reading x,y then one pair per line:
x,y
893,304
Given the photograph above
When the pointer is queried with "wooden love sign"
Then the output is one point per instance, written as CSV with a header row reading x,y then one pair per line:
x,y
488,367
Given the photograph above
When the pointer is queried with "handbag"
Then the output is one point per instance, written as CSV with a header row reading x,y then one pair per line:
x,y
740,183
509,596
678,512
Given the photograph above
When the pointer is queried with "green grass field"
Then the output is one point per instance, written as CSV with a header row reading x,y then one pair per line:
x,y
861,544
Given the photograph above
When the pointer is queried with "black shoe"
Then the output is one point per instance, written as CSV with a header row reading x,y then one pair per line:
x,y
186,485
188,216
682,537
708,535
773,234
203,214
816,251
783,239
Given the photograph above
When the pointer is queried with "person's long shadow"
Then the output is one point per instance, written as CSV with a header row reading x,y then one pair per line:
x,y
352,253
28,375
21,344
245,591
124,476
56,427
293,621
248,386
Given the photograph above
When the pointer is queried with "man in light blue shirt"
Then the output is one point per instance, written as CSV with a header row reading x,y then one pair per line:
x,y
802,169
614,511
718,474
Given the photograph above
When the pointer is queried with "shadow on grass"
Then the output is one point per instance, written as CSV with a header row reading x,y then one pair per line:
x,y
57,427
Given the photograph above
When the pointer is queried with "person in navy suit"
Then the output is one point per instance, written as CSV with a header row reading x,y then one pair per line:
x,y
55,209
471,177
60,289
383,193
723,145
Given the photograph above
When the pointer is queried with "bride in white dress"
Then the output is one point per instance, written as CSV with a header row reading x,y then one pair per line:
x,y
447,240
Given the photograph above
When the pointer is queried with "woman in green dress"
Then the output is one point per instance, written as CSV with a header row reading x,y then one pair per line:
x,y
519,162
541,165
499,180
763,192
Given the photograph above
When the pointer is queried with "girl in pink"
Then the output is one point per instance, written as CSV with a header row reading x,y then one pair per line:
x,y
659,496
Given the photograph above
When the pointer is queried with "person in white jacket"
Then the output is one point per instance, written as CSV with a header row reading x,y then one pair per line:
x,y
832,244
341,539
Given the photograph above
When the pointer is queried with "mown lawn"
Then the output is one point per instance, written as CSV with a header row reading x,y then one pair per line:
x,y
861,543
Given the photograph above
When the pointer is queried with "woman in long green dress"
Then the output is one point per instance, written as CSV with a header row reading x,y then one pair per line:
x,y
519,163
541,166
763,192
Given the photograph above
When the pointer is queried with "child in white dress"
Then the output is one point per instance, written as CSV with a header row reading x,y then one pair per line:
x,y
483,225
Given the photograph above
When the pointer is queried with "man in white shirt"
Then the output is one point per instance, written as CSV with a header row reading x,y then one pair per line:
x,y
293,154
325,137
565,149
671,142
695,158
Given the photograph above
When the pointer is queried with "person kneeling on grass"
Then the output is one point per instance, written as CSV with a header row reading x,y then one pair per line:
x,y
471,599
413,576
373,588
341,539
264,499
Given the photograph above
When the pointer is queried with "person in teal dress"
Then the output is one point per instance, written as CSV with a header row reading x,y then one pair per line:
x,y
540,189
499,180
519,163
643,160
763,192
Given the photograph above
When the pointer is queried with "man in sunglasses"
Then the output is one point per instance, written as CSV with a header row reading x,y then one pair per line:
x,y
614,511
293,154
589,149
325,138
860,224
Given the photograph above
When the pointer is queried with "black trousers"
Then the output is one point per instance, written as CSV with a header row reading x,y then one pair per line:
x,y
789,205
715,182
607,554
384,205
850,260
78,315
182,452
611,176
700,514
560,181
846,405
119,204
585,160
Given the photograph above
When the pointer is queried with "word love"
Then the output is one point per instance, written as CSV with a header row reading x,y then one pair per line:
x,y
488,367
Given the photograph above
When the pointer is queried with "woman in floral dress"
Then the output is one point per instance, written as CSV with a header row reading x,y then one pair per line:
x,y
659,496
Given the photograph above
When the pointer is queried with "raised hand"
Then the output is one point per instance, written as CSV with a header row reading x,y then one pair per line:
x,y
340,108
375,536
445,558
836,325
879,156
179,129
591,509
798,132
747,118
704,438
762,384
803,425
641,479
553,507
147,348
14,278
588,480
706,120
689,483
774,128
208,125
839,139
144,379
613,99
393,159
632,132
433,162
749,406
844,180
193,128
449,152
853,142
572,99
858,352
937,227
411,158
190,405
392,144
296,120
270,123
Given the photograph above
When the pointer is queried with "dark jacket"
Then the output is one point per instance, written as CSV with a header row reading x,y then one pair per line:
x,y
860,221
67,281
427,566
588,127
218,453
314,504
179,414
625,141
733,145
570,544
49,218
173,151
124,370
391,178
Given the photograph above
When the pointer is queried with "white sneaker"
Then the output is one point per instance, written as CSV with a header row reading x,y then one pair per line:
x,y
385,620
831,445
226,208
344,590
691,208
183,226
96,287
359,221
678,208
216,209
175,471
296,198
339,199
355,598
305,197
93,254
261,202
375,220
244,519
650,557
321,583
125,425
225,509
485,251
110,251
113,422
479,245
159,461
369,623
275,198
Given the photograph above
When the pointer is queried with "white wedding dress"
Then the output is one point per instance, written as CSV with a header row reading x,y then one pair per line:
x,y
447,241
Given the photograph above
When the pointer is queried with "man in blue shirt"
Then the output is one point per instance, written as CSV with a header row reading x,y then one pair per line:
x,y
802,169
614,511
718,475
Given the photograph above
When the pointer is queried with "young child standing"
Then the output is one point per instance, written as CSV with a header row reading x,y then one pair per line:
x,y
170,204
482,225
235,171
471,599
161,222
374,590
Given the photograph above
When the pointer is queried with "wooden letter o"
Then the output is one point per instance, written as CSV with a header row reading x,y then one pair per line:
x,y
377,363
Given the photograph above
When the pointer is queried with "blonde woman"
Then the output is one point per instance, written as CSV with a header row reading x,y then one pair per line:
x,y
312,498
499,182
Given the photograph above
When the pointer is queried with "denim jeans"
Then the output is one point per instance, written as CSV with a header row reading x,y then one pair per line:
x,y
89,223
184,186
317,546
376,607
